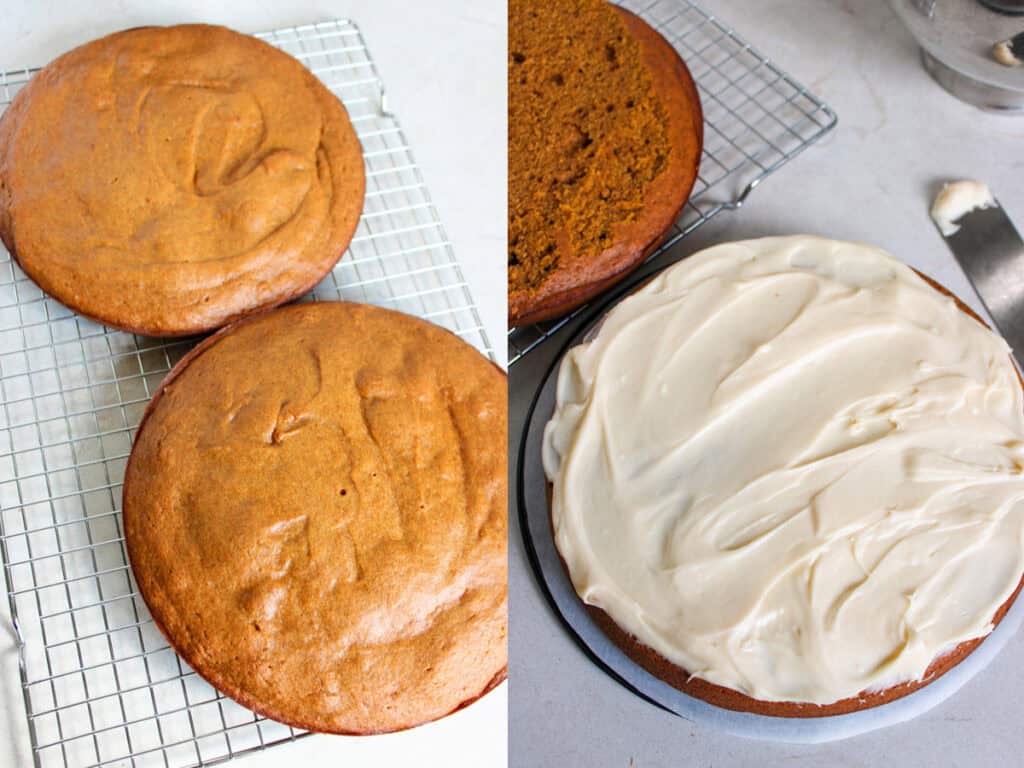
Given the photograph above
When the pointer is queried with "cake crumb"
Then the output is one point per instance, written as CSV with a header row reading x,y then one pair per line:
x,y
587,136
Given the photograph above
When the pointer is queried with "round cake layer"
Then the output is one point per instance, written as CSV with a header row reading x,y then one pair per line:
x,y
315,513
605,132
167,180
788,472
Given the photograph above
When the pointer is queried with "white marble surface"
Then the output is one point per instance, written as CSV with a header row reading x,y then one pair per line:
x,y
872,180
443,63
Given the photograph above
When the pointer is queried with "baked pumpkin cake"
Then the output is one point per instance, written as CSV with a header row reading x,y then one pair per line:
x,y
167,180
786,477
318,525
605,132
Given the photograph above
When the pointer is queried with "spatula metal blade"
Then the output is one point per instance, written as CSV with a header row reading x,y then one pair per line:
x,y
991,252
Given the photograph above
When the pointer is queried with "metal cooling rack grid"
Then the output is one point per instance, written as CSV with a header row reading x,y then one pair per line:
x,y
756,119
101,686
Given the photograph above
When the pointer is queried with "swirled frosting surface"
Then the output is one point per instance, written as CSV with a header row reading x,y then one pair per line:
x,y
792,468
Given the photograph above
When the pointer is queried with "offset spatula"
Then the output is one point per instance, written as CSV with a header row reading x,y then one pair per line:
x,y
990,251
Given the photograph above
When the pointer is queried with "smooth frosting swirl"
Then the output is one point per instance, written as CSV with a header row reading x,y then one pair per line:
x,y
792,468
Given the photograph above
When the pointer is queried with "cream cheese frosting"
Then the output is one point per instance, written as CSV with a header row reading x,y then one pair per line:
x,y
1003,53
792,468
955,200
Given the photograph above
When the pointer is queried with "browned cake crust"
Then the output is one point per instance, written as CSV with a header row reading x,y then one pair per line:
x,y
577,277
315,514
168,180
728,698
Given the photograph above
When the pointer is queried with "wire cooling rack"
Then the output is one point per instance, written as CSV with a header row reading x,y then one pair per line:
x,y
101,686
756,119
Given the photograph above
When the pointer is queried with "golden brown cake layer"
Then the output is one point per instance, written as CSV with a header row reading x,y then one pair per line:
x,y
315,512
167,180
605,132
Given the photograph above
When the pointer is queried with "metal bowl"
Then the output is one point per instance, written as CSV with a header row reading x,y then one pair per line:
x,y
1006,6
956,39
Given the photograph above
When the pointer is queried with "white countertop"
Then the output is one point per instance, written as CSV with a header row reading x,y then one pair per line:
x,y
443,64
872,179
